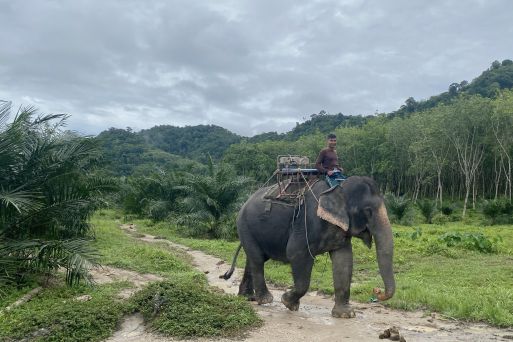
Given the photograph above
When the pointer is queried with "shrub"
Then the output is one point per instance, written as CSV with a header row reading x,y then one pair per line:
x,y
410,217
212,199
428,209
498,211
189,309
447,210
48,191
440,219
158,210
435,247
471,241
397,206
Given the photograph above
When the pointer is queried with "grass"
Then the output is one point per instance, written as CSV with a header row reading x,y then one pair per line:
x,y
120,250
190,307
455,281
185,309
55,315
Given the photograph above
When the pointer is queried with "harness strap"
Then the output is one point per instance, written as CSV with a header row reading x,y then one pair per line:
x,y
309,187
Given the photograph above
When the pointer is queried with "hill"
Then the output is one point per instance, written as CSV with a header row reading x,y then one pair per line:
x,y
194,142
498,76
126,153
176,147
324,123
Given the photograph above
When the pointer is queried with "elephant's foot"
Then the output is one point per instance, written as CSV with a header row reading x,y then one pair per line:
x,y
249,294
289,302
343,311
266,298
249,297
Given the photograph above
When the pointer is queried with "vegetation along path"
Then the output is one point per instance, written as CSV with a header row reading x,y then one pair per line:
x,y
313,321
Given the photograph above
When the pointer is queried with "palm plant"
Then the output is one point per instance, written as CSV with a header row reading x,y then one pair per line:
x,y
47,194
427,208
154,195
397,206
212,198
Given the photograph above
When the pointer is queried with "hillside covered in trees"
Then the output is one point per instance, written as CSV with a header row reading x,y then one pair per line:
x,y
488,84
454,145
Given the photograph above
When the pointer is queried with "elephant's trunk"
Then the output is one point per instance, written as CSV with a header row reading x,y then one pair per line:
x,y
382,233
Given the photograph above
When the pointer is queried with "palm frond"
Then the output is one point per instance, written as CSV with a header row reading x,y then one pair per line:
x,y
76,256
5,112
50,117
46,195
22,201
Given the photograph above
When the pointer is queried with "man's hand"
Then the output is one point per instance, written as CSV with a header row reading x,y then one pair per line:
x,y
330,172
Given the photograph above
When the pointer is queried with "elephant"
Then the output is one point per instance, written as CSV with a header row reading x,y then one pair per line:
x,y
325,221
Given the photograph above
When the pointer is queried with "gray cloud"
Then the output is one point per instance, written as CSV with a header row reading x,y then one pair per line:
x,y
249,66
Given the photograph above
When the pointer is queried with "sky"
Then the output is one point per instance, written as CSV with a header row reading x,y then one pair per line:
x,y
248,66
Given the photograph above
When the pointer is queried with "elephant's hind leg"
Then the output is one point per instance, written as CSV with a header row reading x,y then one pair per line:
x,y
255,271
246,285
262,294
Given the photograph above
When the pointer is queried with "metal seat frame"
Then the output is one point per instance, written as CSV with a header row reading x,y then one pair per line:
x,y
293,175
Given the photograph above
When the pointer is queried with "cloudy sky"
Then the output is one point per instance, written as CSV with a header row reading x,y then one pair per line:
x,y
248,66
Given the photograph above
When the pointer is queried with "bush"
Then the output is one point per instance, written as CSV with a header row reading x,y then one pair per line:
x,y
48,192
158,210
498,211
447,210
440,219
417,233
471,241
410,217
435,247
428,209
228,229
189,309
397,207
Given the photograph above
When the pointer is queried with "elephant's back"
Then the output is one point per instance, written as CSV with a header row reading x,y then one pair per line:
x,y
262,205
266,222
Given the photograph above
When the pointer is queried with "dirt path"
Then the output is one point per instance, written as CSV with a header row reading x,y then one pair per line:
x,y
313,321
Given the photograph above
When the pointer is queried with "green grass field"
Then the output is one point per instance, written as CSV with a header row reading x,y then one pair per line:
x,y
471,279
188,307
460,270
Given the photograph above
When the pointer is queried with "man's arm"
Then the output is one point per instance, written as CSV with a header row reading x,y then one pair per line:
x,y
318,163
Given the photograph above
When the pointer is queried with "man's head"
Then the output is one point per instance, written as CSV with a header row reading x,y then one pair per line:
x,y
331,140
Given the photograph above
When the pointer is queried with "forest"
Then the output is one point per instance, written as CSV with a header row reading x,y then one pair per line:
x,y
439,162
455,147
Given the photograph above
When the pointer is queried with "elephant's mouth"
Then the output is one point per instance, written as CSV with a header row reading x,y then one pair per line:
x,y
366,237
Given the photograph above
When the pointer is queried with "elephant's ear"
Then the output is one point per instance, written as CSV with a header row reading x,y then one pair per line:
x,y
332,208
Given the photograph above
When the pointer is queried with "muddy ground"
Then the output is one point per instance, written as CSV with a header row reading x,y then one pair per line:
x,y
313,321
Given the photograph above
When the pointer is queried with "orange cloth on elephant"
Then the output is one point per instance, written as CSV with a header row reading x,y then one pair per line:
x,y
327,160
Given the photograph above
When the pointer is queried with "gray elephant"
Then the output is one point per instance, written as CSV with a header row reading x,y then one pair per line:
x,y
326,221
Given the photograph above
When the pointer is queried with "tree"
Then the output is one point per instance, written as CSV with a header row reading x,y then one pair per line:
x,y
466,124
507,62
502,127
211,198
154,194
47,194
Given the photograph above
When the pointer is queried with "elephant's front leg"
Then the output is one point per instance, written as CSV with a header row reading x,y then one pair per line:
x,y
342,261
301,271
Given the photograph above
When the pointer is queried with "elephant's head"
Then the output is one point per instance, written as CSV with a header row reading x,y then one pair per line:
x,y
358,208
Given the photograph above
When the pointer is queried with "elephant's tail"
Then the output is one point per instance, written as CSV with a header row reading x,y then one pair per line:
x,y
229,273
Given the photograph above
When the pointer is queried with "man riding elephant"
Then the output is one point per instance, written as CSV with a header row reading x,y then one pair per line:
x,y
325,221
327,162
